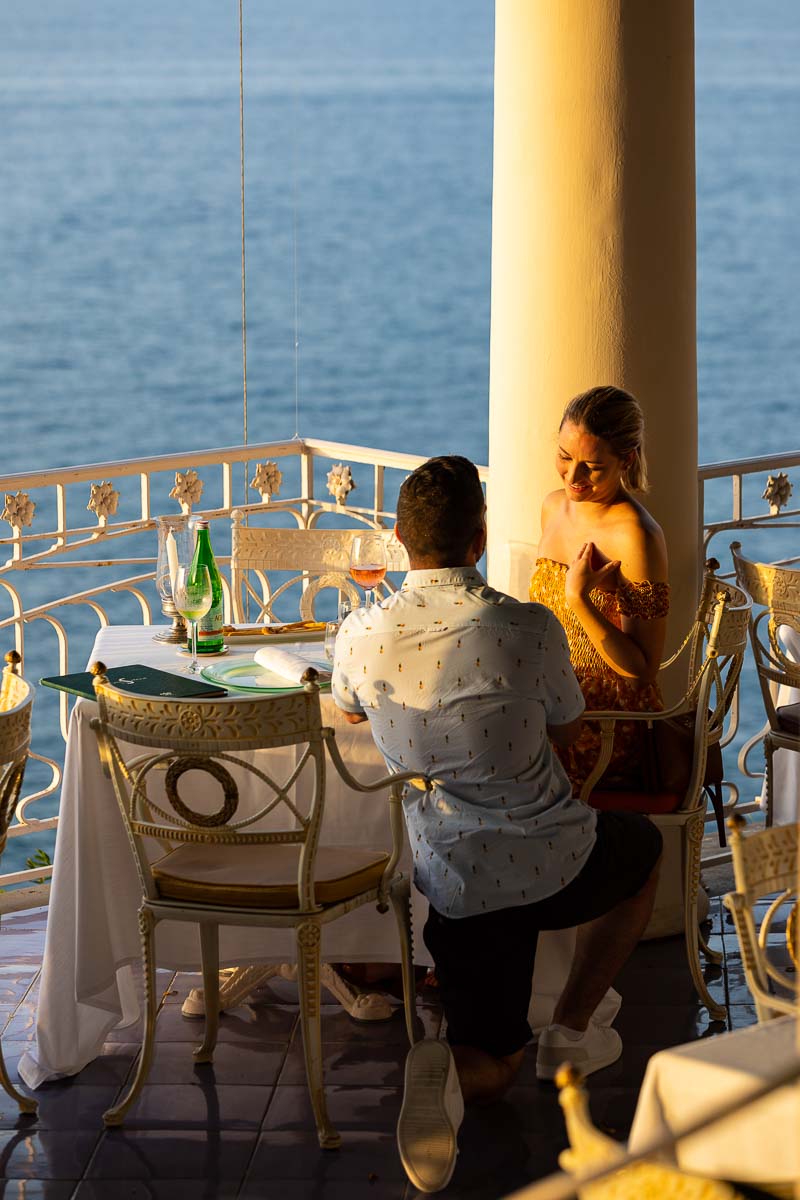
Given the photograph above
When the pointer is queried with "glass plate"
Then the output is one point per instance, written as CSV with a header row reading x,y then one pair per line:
x,y
246,675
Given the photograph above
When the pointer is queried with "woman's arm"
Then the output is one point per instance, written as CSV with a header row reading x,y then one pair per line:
x,y
635,650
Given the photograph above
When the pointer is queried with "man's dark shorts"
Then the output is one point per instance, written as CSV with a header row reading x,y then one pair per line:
x,y
484,964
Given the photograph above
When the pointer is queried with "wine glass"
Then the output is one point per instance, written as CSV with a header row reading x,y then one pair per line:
x,y
368,563
331,631
192,595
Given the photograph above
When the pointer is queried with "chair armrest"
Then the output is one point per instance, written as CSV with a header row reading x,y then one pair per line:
x,y
421,782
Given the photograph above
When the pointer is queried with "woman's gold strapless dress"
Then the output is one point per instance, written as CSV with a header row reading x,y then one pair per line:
x,y
602,687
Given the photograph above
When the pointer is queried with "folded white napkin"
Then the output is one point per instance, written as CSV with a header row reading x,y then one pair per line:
x,y
291,661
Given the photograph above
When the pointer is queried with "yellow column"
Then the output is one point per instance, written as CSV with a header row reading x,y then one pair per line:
x,y
593,253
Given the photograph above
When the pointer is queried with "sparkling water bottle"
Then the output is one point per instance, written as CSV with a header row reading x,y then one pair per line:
x,y
209,627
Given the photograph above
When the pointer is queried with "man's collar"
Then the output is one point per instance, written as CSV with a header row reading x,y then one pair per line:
x,y
439,576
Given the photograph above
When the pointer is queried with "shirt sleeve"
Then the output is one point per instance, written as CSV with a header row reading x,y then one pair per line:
x,y
342,686
563,698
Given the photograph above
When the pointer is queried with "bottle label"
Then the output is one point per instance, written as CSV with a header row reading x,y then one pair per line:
x,y
209,627
209,630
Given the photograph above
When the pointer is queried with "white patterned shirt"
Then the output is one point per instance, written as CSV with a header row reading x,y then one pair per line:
x,y
459,682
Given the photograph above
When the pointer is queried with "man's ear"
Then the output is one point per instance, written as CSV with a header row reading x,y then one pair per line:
x,y
398,534
479,542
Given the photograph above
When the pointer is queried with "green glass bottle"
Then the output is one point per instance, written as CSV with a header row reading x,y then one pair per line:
x,y
209,627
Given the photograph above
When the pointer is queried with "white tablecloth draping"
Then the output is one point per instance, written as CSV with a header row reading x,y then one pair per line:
x,y
786,763
760,1144
87,982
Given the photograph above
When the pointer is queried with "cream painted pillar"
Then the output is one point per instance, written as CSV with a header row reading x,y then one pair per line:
x,y
593,253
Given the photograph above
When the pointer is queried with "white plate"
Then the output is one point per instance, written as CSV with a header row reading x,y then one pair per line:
x,y
246,675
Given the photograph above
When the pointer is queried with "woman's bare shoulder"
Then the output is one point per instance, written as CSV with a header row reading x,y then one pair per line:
x,y
638,541
553,505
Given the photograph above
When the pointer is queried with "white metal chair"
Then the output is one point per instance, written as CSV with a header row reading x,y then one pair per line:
x,y
590,1150
765,862
16,703
314,558
222,867
776,591
716,647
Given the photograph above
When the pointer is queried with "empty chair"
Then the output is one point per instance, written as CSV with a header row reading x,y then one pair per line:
x,y
224,867
16,702
776,592
315,558
765,863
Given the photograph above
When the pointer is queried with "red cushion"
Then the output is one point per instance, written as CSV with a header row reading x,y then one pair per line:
x,y
641,802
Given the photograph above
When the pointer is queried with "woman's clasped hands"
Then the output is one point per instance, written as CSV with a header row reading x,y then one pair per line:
x,y
590,570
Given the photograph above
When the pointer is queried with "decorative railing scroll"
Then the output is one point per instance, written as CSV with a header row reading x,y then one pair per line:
x,y
66,571
62,578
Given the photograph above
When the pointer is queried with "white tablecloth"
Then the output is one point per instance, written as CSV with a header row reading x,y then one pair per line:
x,y
786,763
758,1145
87,983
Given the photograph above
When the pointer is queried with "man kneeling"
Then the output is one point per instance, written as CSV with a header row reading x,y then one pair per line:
x,y
470,687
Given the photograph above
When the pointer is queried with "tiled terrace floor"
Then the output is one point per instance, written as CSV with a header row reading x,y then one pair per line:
x,y
243,1128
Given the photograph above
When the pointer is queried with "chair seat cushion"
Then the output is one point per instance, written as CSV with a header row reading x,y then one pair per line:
x,y
264,876
641,802
789,718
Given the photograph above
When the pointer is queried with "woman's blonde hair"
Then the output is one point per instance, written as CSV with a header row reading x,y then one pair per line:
x,y
615,416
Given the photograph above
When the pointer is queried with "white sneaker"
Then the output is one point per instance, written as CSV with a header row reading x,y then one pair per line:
x,y
432,1112
598,1047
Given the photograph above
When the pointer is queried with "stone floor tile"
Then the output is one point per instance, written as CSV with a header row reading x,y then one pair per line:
x,y
338,1026
673,1024
612,1108
364,1156
339,1189
243,1024
742,1015
37,1189
361,1108
112,1065
666,984
251,1064
373,1064
157,1189
199,1106
62,1106
211,1155
45,1154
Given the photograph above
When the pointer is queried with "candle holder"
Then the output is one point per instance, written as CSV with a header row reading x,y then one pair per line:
x,y
178,527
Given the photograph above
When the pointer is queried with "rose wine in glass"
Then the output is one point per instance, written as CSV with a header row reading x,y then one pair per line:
x,y
368,563
193,594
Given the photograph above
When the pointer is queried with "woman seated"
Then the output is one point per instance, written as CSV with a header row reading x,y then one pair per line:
x,y
602,569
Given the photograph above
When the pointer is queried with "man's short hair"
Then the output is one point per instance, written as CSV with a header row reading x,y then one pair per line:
x,y
440,509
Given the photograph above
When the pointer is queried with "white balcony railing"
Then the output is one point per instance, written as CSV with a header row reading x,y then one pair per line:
x,y
66,575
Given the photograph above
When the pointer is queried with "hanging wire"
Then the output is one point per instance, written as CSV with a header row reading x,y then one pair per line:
x,y
295,283
244,275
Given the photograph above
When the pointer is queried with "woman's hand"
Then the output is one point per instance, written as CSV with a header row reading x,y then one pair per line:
x,y
589,570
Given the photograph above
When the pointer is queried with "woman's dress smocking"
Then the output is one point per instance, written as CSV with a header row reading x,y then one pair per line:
x,y
602,687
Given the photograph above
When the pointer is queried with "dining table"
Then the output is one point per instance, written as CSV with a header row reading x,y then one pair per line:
x,y
757,1144
88,984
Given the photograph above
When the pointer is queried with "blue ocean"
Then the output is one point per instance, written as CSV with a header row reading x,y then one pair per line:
x,y
368,173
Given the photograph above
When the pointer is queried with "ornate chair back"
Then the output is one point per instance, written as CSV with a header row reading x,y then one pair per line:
x,y
765,863
213,738
313,558
776,592
16,703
